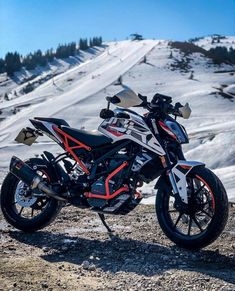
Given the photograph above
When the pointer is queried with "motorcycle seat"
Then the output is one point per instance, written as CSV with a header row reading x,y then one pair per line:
x,y
56,121
89,138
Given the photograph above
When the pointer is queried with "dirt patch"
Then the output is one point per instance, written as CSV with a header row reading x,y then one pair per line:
x,y
76,253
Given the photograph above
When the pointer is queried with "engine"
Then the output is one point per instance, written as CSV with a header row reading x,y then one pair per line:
x,y
111,182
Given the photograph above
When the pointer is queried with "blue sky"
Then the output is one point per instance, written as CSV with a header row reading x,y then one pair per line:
x,y
27,25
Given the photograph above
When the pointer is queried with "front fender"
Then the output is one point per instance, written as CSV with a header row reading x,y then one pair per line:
x,y
178,177
189,164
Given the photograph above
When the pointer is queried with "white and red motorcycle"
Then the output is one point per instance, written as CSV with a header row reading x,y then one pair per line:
x,y
102,171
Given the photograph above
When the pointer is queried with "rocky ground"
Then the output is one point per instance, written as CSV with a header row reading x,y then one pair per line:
x,y
76,253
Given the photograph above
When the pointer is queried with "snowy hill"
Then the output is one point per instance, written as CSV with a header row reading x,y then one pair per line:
x,y
78,95
209,42
14,87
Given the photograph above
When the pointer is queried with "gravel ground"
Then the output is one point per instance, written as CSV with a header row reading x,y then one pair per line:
x,y
76,253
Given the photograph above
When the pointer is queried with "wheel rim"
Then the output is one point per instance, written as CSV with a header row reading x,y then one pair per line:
x,y
25,204
194,220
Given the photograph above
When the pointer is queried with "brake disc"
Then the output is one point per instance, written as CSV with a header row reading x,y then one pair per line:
x,y
22,197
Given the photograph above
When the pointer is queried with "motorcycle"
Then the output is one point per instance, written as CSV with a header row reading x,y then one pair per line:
x,y
102,170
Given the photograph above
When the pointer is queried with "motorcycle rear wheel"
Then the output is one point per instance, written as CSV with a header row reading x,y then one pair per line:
x,y
201,223
25,211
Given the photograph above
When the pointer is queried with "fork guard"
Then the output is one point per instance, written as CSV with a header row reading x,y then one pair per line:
x,y
177,177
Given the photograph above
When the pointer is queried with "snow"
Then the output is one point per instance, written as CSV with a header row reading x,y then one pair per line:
x,y
15,85
206,42
230,89
78,94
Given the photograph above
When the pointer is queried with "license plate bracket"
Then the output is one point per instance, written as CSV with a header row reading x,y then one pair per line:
x,y
27,136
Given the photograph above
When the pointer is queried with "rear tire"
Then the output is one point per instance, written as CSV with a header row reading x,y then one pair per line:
x,y
216,216
8,202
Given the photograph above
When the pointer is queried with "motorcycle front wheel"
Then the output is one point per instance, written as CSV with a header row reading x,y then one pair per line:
x,y
199,223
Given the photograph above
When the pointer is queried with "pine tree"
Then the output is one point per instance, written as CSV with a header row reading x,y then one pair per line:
x,y
219,54
12,63
232,55
6,97
73,49
39,58
17,61
29,62
49,55
191,76
119,80
83,45
2,66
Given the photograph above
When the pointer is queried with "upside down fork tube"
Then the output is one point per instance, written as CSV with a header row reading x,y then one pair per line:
x,y
178,174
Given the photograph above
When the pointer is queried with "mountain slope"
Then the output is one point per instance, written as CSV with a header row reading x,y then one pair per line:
x,y
209,42
78,95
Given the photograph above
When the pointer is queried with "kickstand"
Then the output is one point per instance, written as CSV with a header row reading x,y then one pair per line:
x,y
102,218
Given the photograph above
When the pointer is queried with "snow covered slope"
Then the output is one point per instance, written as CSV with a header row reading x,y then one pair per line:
x,y
14,86
78,94
207,42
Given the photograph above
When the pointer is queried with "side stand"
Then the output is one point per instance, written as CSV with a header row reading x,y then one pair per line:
x,y
102,218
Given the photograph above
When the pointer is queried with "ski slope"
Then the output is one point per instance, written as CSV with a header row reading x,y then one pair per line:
x,y
78,95
99,73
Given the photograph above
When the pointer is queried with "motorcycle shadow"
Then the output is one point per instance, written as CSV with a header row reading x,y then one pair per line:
x,y
115,254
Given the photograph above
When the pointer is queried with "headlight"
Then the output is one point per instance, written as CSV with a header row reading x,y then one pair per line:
x,y
178,130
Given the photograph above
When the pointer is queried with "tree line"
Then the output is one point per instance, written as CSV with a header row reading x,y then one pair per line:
x,y
221,55
218,54
13,62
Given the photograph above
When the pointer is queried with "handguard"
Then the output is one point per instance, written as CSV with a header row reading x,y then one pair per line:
x,y
185,111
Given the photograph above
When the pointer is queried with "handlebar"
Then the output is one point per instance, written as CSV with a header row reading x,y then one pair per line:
x,y
159,104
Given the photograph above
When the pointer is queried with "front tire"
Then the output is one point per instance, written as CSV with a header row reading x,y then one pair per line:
x,y
203,220
19,210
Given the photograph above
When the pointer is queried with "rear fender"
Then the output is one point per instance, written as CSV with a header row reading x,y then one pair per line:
x,y
178,176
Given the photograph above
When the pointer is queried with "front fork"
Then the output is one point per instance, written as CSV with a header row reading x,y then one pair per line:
x,y
178,174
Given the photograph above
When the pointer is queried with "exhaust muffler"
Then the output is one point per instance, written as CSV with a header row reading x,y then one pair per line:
x,y
23,172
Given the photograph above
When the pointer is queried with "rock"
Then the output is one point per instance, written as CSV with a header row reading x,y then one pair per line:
x,y
88,266
85,265
44,285
45,249
92,267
